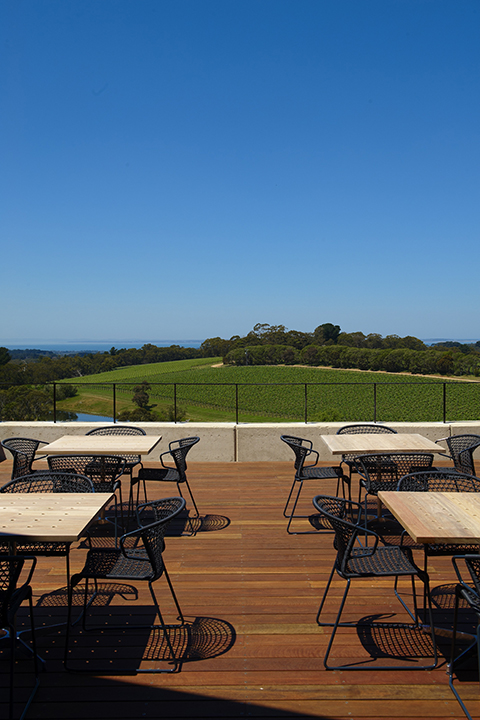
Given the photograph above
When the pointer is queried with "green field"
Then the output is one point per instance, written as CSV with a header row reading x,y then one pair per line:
x,y
208,393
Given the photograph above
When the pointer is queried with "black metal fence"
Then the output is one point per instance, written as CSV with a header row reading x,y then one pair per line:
x,y
425,400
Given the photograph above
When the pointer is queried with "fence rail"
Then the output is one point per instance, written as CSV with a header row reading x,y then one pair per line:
x,y
440,399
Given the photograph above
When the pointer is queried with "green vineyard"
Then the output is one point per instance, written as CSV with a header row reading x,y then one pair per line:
x,y
206,390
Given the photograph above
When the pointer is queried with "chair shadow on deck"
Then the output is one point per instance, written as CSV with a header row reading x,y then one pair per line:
x,y
396,641
102,534
383,640
201,638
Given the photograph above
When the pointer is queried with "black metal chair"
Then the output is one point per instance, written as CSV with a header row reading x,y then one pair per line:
x,y
441,480
139,558
11,597
303,449
356,561
177,451
461,449
382,471
470,593
23,451
104,471
131,461
361,429
46,482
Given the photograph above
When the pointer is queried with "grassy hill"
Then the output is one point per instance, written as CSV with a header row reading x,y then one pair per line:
x,y
266,393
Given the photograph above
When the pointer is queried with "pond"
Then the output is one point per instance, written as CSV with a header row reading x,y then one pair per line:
x,y
81,417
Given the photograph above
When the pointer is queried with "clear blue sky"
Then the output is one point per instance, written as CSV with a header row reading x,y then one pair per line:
x,y
188,168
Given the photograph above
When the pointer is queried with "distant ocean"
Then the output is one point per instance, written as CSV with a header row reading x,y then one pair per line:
x,y
431,341
73,346
92,345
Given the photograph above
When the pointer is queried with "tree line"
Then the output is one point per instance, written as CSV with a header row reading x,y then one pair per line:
x,y
328,346
22,378
24,395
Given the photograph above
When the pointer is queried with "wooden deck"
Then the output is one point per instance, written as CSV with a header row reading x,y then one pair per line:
x,y
252,648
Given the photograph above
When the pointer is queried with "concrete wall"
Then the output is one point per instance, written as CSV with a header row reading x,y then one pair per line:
x,y
227,442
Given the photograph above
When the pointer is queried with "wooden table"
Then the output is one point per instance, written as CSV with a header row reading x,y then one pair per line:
x,y
101,445
366,443
436,517
48,517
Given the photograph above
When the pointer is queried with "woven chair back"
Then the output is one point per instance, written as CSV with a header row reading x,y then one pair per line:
x,y
363,429
103,470
120,430
49,482
23,451
335,511
301,448
439,481
153,535
461,449
382,471
179,450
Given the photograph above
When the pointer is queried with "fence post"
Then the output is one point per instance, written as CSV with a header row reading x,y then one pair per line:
x,y
306,403
444,402
175,403
236,403
54,402
374,402
114,402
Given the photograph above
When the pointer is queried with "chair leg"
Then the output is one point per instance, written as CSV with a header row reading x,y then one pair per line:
x,y
166,627
454,659
324,597
345,481
13,641
285,514
174,595
335,626
292,515
131,503
197,514
192,529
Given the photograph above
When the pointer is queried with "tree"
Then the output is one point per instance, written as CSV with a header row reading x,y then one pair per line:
x,y
141,396
326,333
25,403
214,347
355,339
4,356
374,340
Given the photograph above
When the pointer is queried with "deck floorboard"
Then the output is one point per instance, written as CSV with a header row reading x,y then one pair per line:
x,y
250,593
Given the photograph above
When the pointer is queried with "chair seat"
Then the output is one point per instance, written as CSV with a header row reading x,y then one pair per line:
x,y
309,473
159,474
452,549
40,548
470,596
385,560
111,564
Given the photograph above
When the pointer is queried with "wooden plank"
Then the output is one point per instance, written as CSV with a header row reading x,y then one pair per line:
x,y
48,517
257,587
366,443
436,517
101,445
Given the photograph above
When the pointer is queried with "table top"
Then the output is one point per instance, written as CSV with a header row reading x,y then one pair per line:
x,y
101,445
364,443
436,517
48,517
